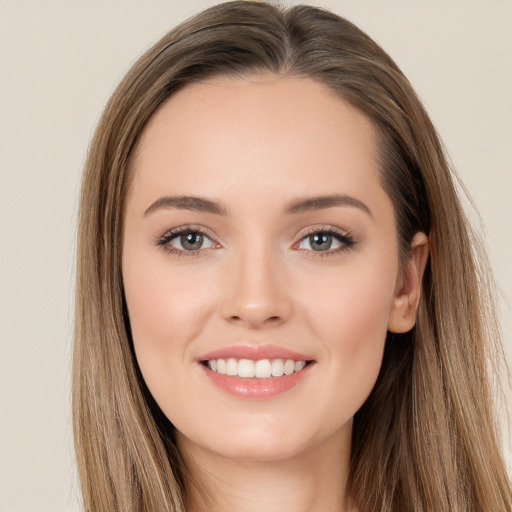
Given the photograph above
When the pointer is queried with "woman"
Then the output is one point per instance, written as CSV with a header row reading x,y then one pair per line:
x,y
280,303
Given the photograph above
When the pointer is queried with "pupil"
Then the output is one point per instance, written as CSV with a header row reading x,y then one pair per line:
x,y
320,241
192,241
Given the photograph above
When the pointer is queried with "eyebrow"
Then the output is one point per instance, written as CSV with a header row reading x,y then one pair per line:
x,y
197,204
330,201
200,204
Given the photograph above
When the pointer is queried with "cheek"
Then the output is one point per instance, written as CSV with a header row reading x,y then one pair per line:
x,y
351,321
166,313
354,308
161,305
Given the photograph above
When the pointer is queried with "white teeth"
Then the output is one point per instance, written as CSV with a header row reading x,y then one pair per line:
x,y
261,369
232,367
289,367
246,368
299,365
277,368
221,366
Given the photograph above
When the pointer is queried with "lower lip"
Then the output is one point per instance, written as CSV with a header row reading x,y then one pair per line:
x,y
258,389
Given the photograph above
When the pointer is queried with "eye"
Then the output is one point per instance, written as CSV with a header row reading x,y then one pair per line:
x,y
191,241
327,240
185,240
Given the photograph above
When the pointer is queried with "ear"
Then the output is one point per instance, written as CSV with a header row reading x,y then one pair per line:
x,y
402,315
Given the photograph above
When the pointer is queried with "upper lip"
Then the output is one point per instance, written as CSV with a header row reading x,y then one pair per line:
x,y
255,352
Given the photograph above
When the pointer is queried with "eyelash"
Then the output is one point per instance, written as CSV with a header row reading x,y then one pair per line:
x,y
347,240
165,240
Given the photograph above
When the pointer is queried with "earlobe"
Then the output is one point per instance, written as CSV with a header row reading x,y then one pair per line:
x,y
402,315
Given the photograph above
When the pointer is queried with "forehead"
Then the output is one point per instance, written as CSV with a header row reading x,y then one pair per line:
x,y
257,132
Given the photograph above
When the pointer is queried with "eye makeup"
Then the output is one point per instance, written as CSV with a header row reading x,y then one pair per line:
x,y
190,240
324,242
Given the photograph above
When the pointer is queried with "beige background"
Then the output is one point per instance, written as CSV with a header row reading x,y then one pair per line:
x,y
60,60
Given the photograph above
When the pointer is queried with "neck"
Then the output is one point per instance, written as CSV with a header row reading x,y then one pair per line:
x,y
313,481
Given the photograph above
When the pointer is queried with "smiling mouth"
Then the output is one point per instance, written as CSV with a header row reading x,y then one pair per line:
x,y
259,369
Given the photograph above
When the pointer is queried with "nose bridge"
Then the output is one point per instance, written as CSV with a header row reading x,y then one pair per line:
x,y
255,292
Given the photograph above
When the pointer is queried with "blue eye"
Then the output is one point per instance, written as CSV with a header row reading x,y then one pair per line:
x,y
326,241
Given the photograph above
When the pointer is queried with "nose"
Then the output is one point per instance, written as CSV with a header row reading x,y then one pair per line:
x,y
257,292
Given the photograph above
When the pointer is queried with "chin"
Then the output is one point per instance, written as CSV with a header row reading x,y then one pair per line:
x,y
264,441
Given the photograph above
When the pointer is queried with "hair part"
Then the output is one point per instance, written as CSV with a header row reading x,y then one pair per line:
x,y
425,439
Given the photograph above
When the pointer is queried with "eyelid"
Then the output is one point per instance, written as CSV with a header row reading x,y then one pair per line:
x,y
346,239
164,240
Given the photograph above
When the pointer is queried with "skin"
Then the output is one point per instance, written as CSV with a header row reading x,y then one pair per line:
x,y
255,145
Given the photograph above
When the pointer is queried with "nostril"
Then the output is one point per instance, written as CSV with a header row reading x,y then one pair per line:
x,y
256,313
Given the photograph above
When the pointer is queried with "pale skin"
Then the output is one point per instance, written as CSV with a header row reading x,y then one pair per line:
x,y
253,148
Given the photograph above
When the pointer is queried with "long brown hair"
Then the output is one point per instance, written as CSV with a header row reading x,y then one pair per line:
x,y
425,439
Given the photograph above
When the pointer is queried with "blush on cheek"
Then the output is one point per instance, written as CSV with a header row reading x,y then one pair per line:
x,y
353,322
157,305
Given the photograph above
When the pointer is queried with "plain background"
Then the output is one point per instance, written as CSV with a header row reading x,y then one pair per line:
x,y
60,61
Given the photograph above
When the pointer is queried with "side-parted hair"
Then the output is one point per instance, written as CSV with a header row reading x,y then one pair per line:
x,y
426,438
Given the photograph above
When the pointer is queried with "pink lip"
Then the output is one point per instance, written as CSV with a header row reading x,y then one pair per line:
x,y
254,352
256,389
259,389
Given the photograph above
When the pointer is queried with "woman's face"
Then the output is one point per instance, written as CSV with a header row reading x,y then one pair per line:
x,y
258,240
